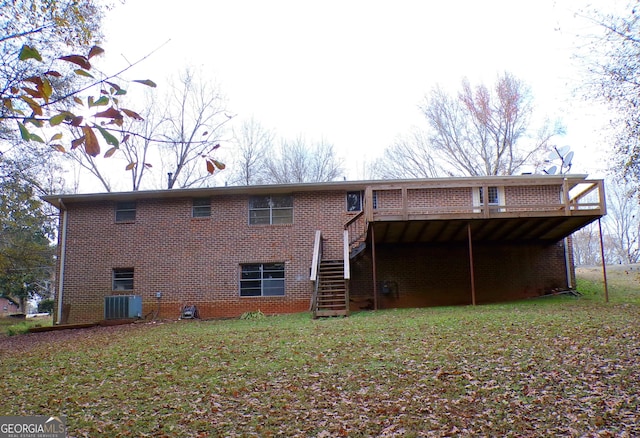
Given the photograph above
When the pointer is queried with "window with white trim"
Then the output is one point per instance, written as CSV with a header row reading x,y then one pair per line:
x,y
271,210
262,280
122,279
495,197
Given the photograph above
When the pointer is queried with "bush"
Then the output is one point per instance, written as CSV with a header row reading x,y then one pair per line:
x,y
46,306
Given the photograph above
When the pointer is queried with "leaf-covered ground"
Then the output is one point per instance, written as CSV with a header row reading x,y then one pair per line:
x,y
547,367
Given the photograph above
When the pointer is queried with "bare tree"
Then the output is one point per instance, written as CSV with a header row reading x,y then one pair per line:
x,y
137,148
408,157
622,223
296,162
586,246
483,131
612,58
252,144
194,122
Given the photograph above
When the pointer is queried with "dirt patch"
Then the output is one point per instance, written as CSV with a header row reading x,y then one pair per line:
x,y
62,338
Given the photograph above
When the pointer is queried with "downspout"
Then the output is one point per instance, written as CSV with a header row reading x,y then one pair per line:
x,y
63,250
567,263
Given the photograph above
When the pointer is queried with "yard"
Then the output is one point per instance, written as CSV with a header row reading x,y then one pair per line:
x,y
543,367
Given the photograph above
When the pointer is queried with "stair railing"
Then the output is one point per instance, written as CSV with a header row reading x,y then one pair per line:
x,y
315,268
357,229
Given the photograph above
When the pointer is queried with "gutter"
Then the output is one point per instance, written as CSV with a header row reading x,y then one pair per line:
x,y
63,253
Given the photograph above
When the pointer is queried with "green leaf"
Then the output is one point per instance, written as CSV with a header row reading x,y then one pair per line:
x,y
28,52
24,133
147,82
59,118
37,138
104,100
84,73
109,138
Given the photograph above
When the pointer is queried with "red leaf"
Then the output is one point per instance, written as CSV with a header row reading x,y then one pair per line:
x,y
59,148
132,114
210,167
95,51
53,73
91,145
76,121
110,113
78,60
110,152
77,142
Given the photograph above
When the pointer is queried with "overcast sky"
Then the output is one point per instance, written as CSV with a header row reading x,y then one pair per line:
x,y
354,72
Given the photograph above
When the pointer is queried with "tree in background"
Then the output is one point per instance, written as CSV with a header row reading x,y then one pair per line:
x,y
408,157
192,129
478,131
586,246
622,224
297,162
252,144
26,253
613,61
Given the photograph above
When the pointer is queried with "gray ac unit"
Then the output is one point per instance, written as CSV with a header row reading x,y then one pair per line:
x,y
122,307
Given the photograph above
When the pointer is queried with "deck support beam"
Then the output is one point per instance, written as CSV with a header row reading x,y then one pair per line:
x,y
473,282
604,266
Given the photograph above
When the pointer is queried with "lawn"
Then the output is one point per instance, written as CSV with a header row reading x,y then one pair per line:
x,y
546,367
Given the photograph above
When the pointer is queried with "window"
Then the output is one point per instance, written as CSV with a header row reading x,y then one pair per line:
x,y
495,197
354,201
123,279
126,211
262,280
201,207
492,196
270,210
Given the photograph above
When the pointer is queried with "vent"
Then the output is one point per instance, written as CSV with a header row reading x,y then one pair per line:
x,y
122,307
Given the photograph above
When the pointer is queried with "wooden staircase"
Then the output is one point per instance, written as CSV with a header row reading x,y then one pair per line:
x,y
332,298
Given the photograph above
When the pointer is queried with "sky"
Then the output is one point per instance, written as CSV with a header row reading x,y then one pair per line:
x,y
354,72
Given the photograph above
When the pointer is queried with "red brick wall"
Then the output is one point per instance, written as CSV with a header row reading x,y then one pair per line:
x,y
437,275
194,260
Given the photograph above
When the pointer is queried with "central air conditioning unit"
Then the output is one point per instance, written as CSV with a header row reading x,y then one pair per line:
x,y
123,307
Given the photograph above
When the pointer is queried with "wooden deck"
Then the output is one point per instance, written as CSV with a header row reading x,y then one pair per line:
x,y
406,215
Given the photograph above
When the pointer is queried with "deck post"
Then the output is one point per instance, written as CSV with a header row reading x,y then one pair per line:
x,y
604,266
473,283
373,258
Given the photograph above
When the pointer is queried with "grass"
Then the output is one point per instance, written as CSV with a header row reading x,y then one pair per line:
x,y
12,326
546,367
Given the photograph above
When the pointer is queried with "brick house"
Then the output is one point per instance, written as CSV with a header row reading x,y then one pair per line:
x,y
8,306
327,246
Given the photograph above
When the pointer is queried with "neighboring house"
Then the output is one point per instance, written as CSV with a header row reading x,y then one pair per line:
x,y
8,306
286,248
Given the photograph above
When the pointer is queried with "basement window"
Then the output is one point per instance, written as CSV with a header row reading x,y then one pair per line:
x,y
122,279
271,210
262,280
126,211
201,207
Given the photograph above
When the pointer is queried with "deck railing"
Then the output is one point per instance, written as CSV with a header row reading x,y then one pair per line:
x,y
404,202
